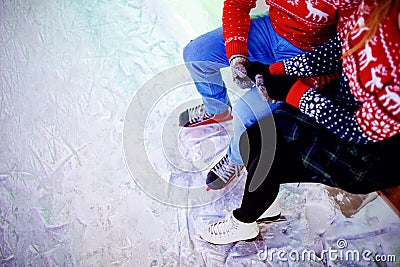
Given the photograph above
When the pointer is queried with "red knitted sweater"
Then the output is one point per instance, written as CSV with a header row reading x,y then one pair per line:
x,y
373,72
305,23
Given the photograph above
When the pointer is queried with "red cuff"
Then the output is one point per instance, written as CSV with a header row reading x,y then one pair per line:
x,y
235,48
277,69
296,92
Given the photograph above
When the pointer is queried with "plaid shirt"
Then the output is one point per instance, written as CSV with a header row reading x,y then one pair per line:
x,y
335,162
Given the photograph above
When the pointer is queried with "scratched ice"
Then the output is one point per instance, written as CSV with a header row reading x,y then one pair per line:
x,y
69,70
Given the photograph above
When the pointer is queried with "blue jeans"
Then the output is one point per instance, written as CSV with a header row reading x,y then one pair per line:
x,y
206,55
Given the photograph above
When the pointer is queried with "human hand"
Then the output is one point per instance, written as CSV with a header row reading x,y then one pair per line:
x,y
239,73
272,88
262,90
254,68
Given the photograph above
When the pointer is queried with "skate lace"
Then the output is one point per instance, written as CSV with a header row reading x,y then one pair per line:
x,y
223,227
225,169
198,113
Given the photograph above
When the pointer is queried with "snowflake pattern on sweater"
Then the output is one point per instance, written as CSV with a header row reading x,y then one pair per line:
x,y
334,117
370,76
336,114
322,60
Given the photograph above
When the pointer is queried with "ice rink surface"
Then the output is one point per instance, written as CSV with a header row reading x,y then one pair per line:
x,y
68,73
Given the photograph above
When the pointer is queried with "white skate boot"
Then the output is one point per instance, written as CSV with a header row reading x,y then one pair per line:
x,y
229,230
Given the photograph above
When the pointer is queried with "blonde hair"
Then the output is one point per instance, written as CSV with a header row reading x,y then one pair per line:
x,y
381,10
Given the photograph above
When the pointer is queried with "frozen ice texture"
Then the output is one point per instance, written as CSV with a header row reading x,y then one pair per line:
x,y
68,71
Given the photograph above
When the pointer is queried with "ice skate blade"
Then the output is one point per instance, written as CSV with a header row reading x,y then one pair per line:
x,y
251,239
245,240
277,218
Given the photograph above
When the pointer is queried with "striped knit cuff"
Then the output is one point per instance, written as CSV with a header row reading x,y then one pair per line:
x,y
236,47
296,92
277,69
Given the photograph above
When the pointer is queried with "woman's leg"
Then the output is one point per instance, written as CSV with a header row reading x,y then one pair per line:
x,y
306,153
285,167
241,223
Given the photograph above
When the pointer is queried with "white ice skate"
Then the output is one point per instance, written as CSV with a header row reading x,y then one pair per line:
x,y
273,213
229,230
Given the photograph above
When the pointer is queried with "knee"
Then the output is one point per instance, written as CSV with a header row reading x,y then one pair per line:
x,y
195,59
188,52
206,47
195,50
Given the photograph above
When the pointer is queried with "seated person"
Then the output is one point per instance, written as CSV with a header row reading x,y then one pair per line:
x,y
345,135
288,30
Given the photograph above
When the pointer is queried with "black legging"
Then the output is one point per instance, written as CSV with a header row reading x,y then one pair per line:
x,y
287,167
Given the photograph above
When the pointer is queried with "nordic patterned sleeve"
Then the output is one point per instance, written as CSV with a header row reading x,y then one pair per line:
x,y
339,119
322,60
